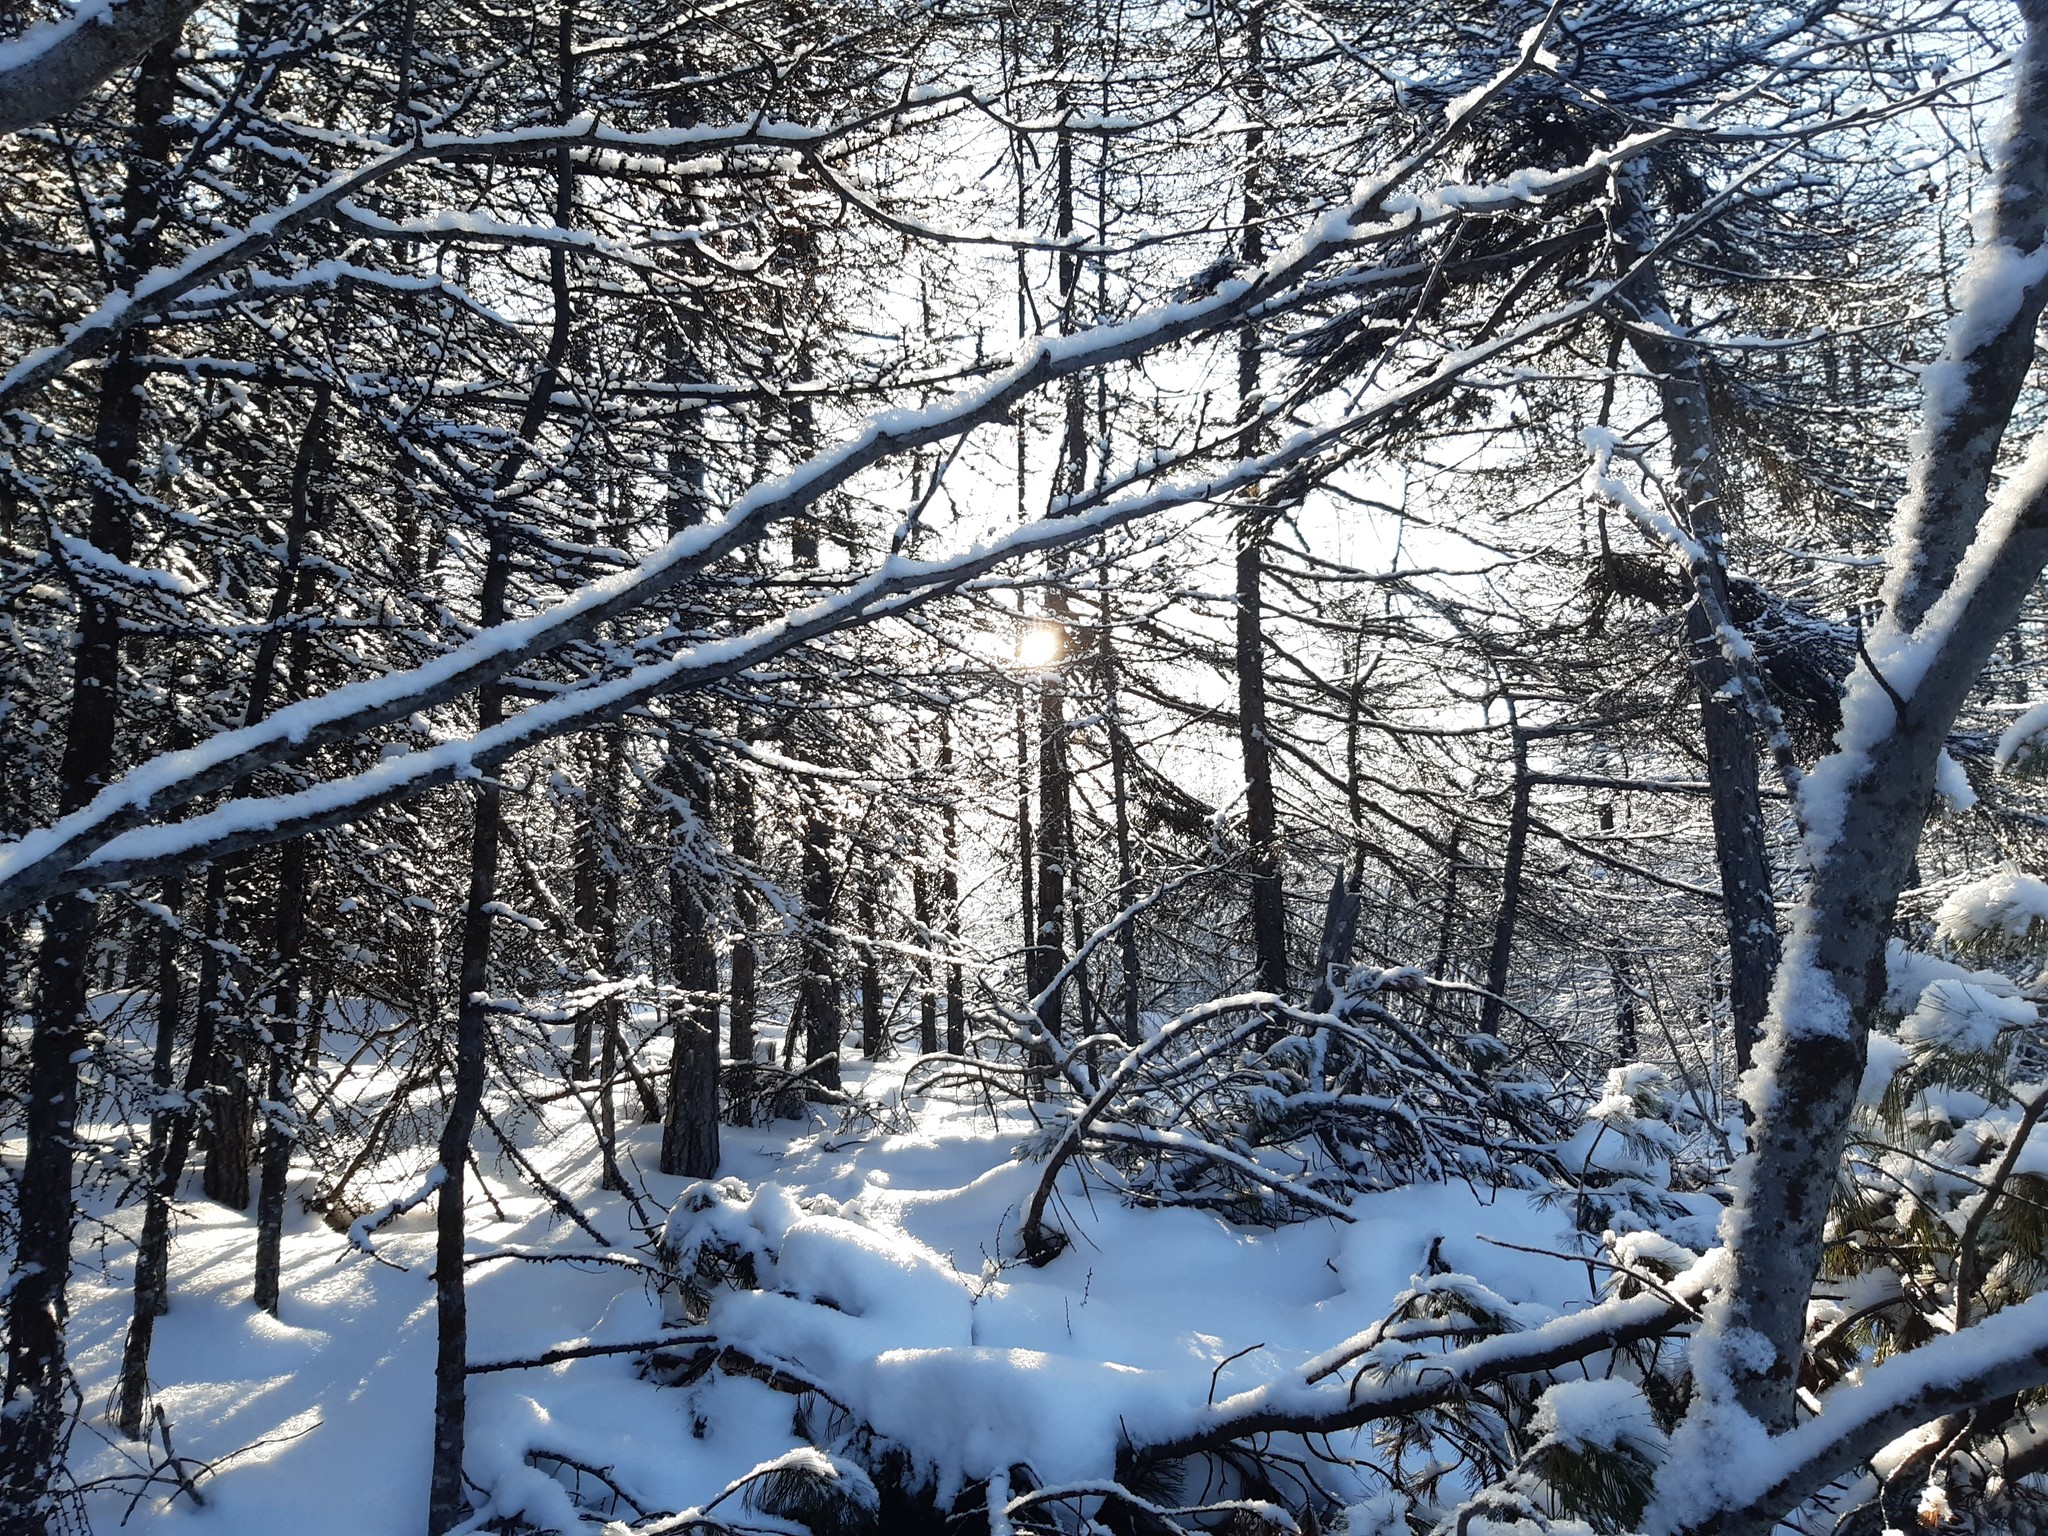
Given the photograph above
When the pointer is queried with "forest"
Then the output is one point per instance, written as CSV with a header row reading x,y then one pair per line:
x,y
1004,767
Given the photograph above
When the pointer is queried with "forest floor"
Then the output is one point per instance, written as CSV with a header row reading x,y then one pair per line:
x,y
896,1280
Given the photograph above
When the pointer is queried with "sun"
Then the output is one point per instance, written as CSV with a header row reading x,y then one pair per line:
x,y
1039,645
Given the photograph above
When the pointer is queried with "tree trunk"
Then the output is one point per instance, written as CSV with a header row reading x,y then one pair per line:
x,y
949,898
1027,905
1130,980
1730,735
927,988
1499,960
231,1109
446,1502
1447,918
308,502
1262,827
1874,795
152,1252
286,1026
152,1248
818,985
1262,831
1055,838
586,881
871,1042
745,961
689,1127
33,1425
1340,929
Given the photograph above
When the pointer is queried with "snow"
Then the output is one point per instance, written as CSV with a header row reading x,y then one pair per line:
x,y
2008,905
885,1270
1599,1414
1962,1016
1908,972
82,552
1953,784
2022,740
1884,1059
1804,1000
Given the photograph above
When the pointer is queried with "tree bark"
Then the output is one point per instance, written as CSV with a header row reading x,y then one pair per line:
x,y
33,1421
818,985
927,977
1262,830
446,1502
745,961
871,1042
1499,961
286,1027
689,1127
949,899
79,54
152,1248
1055,837
1730,736
287,1020
1866,805
1262,827
586,891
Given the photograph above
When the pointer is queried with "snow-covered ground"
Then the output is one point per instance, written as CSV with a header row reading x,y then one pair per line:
x,y
890,1268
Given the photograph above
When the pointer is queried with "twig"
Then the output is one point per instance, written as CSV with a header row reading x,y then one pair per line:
x,y
586,1352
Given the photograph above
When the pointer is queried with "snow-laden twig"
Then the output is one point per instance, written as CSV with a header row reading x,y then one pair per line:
x,y
363,1227
1420,1381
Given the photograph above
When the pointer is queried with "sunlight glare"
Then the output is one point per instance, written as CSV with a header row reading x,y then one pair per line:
x,y
1039,646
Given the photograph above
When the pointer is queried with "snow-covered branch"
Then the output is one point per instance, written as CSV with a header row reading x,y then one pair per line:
x,y
55,65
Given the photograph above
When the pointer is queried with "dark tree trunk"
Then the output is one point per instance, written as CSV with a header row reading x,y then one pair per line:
x,y
1055,837
689,1128
871,1043
152,1253
1340,930
1626,1013
231,1113
1498,961
1130,979
746,850
446,1501
151,1250
1262,829
1027,906
949,898
1730,735
1262,822
927,985
33,1431
308,501
287,1023
1447,918
604,934
585,882
818,985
